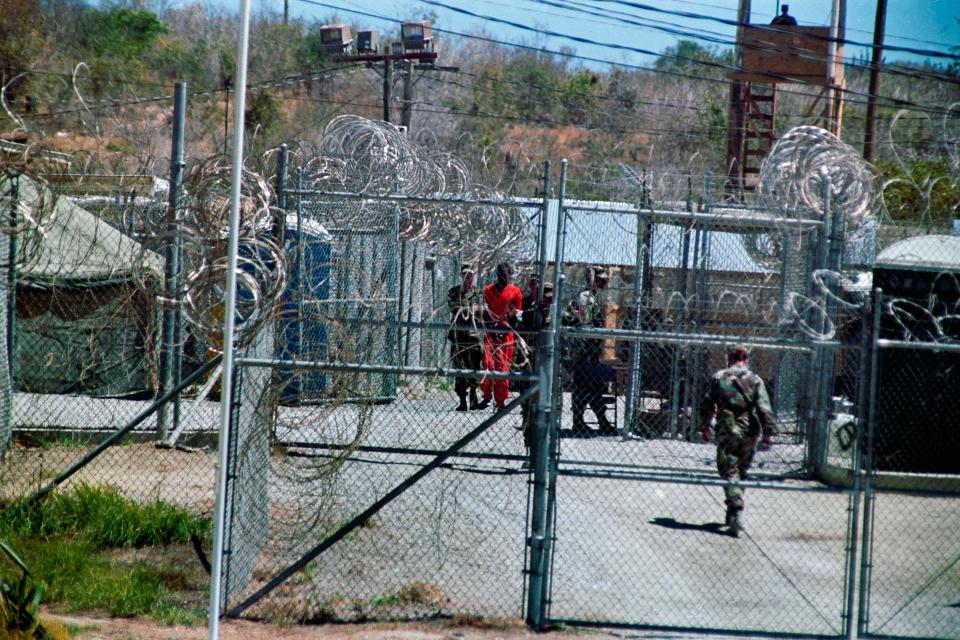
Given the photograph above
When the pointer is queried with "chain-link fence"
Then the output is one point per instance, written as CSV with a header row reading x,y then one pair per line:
x,y
359,489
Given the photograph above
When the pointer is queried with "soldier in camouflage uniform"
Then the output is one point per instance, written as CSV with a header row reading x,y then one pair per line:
x,y
738,399
590,375
464,302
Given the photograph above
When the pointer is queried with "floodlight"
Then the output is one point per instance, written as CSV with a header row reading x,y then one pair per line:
x,y
368,42
417,35
336,38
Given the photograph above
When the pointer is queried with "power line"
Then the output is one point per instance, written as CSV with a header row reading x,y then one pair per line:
x,y
889,101
588,41
734,23
864,31
722,39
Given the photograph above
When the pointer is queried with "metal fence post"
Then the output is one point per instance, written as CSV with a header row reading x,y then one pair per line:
x,y
854,552
835,264
866,556
811,397
169,360
553,427
12,280
539,443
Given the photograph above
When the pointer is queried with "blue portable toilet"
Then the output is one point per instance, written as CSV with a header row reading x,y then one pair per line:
x,y
301,334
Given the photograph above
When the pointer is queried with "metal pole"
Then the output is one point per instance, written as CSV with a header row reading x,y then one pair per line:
x,y
858,458
230,304
179,322
12,287
171,267
681,323
300,288
542,256
834,259
634,374
539,449
552,439
866,559
401,303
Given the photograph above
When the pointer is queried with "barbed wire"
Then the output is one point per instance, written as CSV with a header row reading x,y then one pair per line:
x,y
364,156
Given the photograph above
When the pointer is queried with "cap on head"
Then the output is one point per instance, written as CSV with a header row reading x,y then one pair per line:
x,y
466,268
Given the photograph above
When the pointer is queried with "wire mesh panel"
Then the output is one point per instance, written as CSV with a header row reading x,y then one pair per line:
x,y
910,578
653,553
85,344
654,301
912,587
370,311
452,543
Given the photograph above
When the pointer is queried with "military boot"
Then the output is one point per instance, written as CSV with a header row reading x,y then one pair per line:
x,y
580,428
463,403
606,428
474,402
733,522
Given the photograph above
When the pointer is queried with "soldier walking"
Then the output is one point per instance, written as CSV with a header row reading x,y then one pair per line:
x,y
466,350
737,400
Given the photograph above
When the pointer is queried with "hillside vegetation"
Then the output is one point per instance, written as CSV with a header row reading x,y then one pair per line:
x,y
98,81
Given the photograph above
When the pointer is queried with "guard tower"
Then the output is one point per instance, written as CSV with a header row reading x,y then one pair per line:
x,y
771,55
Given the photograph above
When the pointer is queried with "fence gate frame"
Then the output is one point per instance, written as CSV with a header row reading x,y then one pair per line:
x,y
828,255
538,389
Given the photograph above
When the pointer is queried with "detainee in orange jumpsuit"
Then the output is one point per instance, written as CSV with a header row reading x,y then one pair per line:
x,y
503,300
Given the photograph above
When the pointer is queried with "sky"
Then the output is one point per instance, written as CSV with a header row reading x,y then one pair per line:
x,y
917,24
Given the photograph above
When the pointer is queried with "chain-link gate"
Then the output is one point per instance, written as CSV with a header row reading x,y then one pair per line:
x,y
653,299
381,500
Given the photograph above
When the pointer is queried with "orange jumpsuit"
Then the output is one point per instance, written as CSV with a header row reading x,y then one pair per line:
x,y
498,347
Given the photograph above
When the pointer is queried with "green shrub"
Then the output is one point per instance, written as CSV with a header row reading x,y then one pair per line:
x,y
106,519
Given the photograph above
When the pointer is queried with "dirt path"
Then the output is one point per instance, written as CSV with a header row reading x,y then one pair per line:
x,y
91,628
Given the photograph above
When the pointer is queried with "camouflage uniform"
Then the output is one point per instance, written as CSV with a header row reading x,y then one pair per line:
x,y
739,399
466,348
590,376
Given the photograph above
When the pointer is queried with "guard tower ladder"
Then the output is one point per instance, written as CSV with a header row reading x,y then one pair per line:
x,y
760,108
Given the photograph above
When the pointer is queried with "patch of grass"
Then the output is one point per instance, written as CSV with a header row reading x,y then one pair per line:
x,y
76,629
76,578
106,519
66,540
388,600
59,442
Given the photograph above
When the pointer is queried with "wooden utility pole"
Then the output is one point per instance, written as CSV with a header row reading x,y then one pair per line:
x,y
406,114
387,81
876,58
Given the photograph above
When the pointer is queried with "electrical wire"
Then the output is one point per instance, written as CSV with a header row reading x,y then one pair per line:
x,y
886,100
